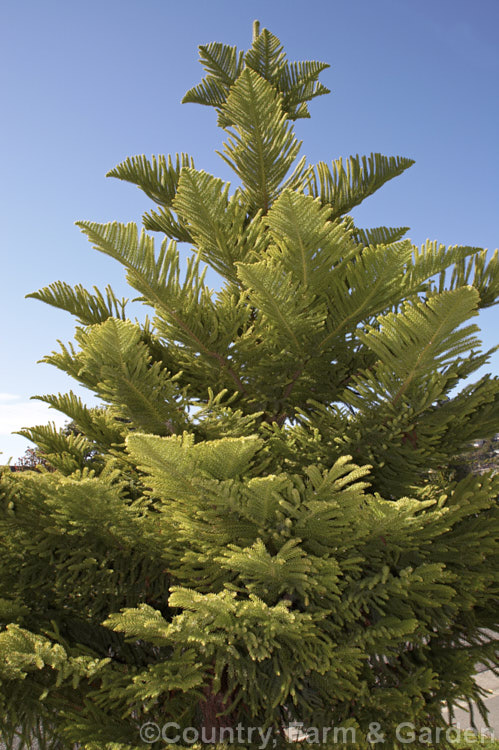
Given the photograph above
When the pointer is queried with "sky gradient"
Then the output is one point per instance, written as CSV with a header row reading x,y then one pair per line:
x,y
84,85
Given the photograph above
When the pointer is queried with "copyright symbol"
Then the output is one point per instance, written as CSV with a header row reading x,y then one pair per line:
x,y
150,732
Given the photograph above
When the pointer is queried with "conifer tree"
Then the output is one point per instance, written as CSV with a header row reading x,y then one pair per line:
x,y
252,529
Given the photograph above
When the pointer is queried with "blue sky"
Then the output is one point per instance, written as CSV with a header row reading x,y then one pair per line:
x,y
84,85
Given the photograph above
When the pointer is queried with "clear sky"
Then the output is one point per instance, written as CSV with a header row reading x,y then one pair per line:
x,y
86,84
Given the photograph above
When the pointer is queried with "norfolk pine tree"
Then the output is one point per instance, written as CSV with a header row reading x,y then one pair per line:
x,y
253,529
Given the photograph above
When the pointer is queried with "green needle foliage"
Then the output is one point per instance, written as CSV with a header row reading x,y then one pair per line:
x,y
257,525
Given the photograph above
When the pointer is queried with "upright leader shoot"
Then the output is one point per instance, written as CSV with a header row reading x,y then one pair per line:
x,y
255,524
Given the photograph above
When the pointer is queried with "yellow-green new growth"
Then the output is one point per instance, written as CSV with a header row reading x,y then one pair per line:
x,y
256,523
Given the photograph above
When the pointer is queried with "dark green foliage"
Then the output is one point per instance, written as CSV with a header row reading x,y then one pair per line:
x,y
258,524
